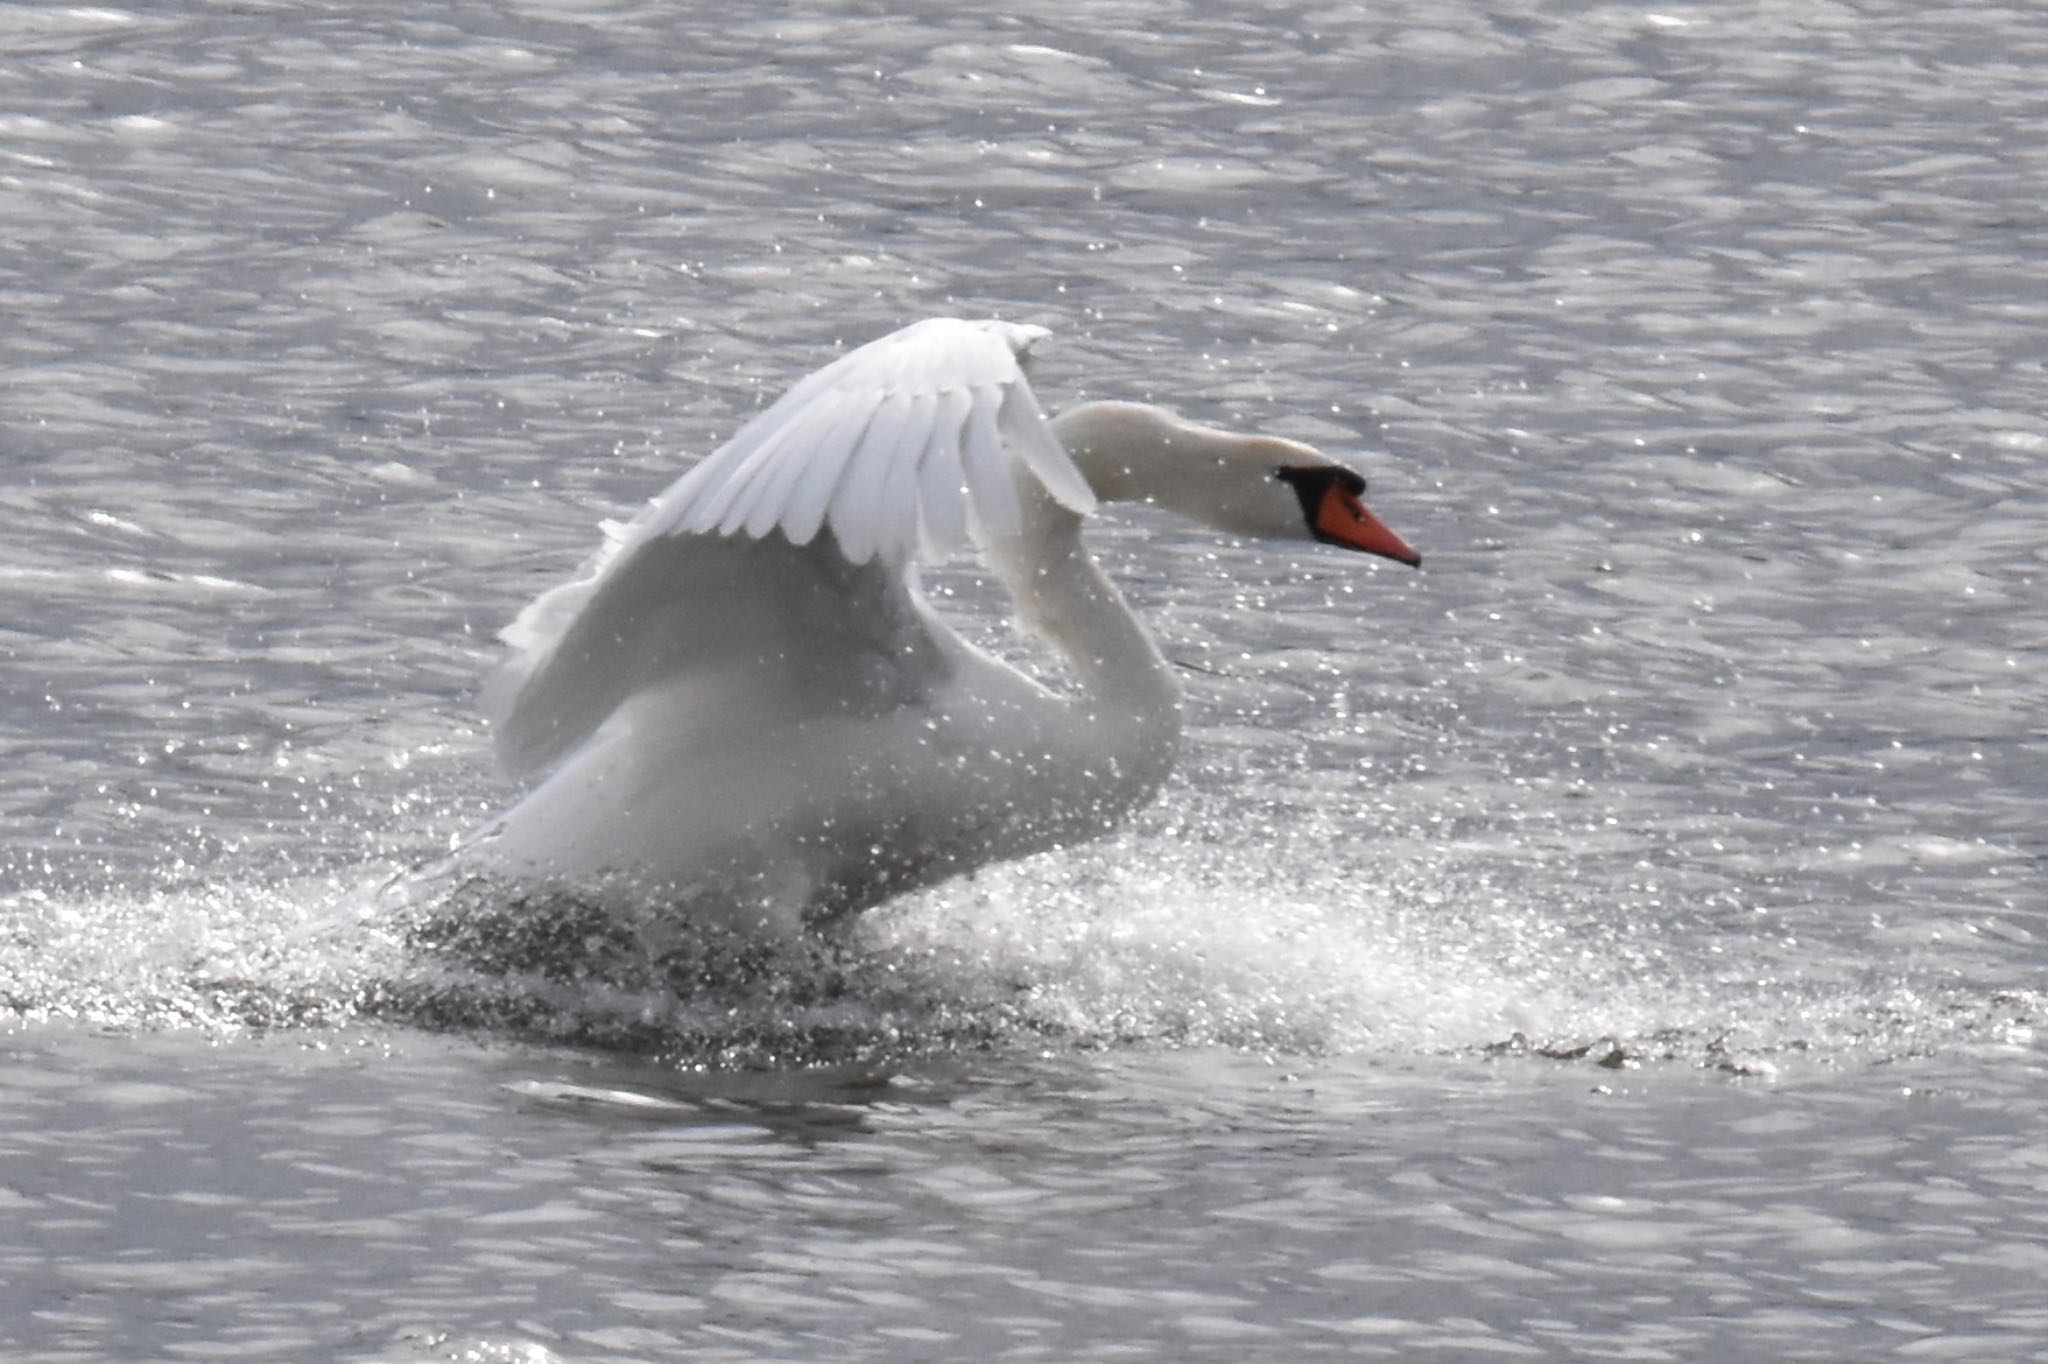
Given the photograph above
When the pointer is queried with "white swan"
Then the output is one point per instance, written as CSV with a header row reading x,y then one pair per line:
x,y
745,701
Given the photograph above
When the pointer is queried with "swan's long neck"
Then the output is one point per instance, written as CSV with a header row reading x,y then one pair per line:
x,y
1063,595
1127,715
1126,721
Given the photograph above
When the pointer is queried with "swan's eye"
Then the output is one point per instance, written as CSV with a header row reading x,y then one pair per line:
x,y
1316,479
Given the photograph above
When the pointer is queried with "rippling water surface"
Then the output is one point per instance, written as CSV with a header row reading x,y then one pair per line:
x,y
1624,939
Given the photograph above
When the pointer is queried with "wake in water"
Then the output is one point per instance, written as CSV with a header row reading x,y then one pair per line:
x,y
1149,940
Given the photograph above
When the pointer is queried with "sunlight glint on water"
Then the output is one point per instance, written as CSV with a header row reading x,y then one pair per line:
x,y
1623,939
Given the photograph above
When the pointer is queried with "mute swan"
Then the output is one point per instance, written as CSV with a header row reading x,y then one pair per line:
x,y
745,701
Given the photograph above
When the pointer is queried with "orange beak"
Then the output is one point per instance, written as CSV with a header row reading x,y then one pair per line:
x,y
1342,519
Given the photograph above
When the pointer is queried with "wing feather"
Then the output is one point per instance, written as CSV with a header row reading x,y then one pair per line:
x,y
819,479
762,482
699,500
825,444
941,491
856,504
895,535
1029,435
990,487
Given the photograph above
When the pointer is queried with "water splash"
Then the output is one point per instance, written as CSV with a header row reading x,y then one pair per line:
x,y
1147,940
222,955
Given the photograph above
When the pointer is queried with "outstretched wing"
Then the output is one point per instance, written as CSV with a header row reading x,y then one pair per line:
x,y
898,444
889,445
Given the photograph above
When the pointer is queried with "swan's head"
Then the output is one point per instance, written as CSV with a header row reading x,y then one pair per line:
x,y
1259,487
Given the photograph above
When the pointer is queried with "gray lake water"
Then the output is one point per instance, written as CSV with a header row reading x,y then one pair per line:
x,y
1624,939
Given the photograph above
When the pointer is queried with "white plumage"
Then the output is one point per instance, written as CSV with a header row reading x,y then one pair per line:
x,y
744,702
896,438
